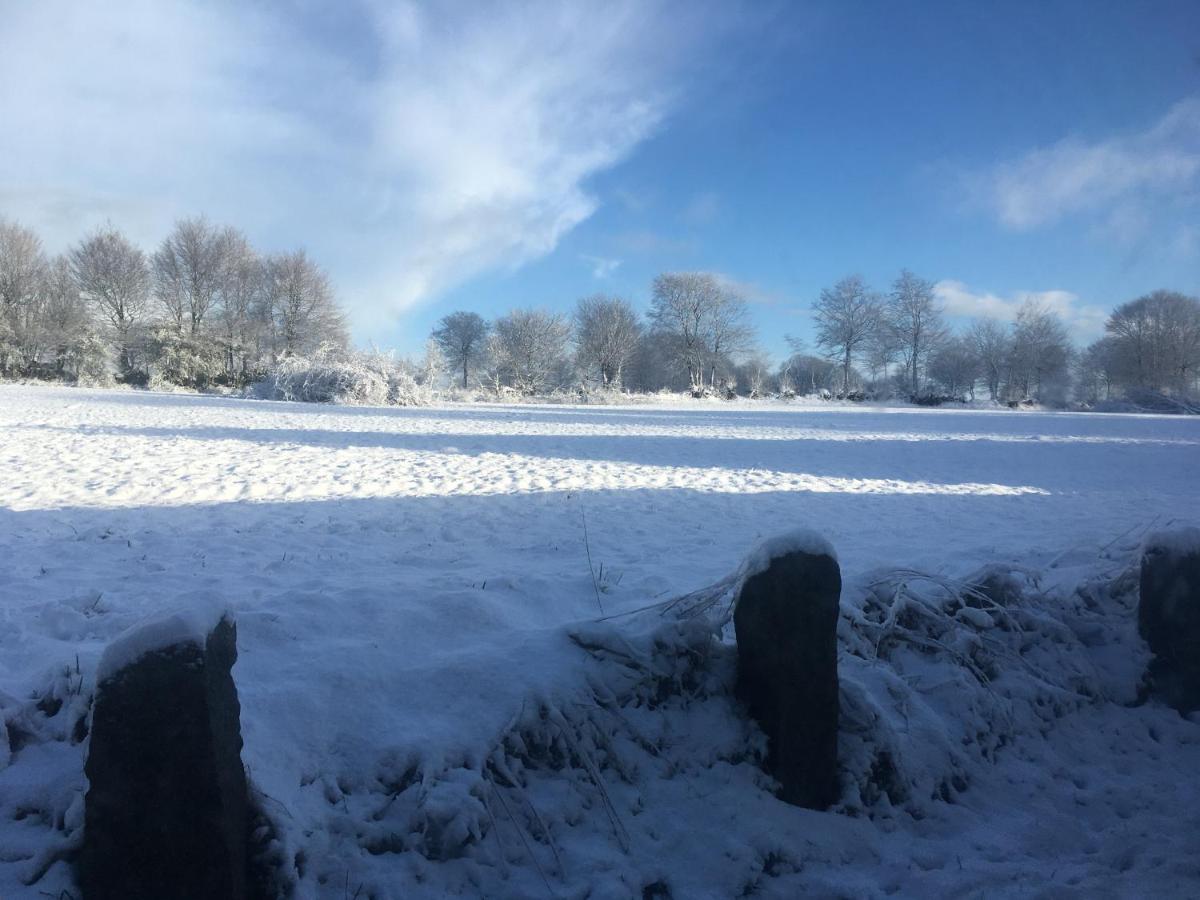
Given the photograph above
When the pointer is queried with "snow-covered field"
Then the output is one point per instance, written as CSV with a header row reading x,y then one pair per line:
x,y
403,580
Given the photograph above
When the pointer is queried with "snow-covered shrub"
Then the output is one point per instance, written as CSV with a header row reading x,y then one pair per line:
x,y
88,358
193,361
403,389
332,376
325,379
407,384
10,351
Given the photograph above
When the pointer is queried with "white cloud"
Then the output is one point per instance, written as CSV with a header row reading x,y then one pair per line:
x,y
413,149
1112,177
1084,321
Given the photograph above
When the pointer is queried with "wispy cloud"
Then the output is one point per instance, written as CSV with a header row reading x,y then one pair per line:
x,y
1085,321
651,243
1111,179
411,146
602,267
750,291
635,201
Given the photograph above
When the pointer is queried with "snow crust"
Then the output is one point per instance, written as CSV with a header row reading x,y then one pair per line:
x,y
412,587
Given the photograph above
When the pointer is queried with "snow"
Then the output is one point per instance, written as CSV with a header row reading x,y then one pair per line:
x,y
800,540
412,587
198,614
1183,541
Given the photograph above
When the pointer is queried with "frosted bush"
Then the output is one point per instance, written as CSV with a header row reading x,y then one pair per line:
x,y
324,380
358,379
403,390
193,361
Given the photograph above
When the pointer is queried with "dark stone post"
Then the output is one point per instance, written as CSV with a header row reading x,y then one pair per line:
x,y
166,813
1169,615
786,623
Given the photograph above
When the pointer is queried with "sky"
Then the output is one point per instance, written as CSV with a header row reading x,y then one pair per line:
x,y
489,156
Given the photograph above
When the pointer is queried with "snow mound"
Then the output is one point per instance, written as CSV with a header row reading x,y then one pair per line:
x,y
643,753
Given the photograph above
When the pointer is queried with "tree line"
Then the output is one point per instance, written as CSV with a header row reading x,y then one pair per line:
x,y
205,307
696,336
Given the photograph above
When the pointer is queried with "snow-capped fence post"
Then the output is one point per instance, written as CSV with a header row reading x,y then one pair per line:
x,y
1169,615
167,808
785,618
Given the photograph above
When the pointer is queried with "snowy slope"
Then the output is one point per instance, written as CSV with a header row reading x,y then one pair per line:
x,y
406,583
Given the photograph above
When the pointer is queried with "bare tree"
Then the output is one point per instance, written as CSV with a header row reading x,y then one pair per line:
x,y
680,306
1159,336
654,365
882,351
754,377
916,318
529,347
242,293
728,333
955,367
1039,355
847,316
1099,368
189,270
707,320
114,277
990,341
22,273
68,320
304,312
607,331
805,374
462,338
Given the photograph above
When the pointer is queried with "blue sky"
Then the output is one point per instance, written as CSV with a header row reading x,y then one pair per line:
x,y
445,156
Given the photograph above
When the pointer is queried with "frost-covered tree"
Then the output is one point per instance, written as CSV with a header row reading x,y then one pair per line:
x,y
462,337
955,367
73,346
114,277
188,272
706,320
1099,368
916,320
22,274
754,377
242,311
681,305
304,314
883,350
529,349
730,334
990,341
804,374
654,365
847,316
1040,355
607,331
1158,338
